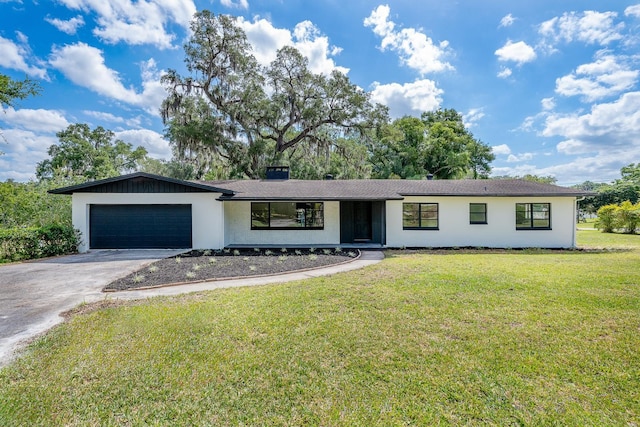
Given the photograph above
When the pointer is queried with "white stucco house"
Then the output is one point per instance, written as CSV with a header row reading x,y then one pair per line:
x,y
141,210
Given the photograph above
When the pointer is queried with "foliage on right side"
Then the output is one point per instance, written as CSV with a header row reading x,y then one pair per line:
x,y
624,216
627,187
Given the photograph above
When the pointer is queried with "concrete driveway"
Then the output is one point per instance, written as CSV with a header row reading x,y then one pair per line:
x,y
33,294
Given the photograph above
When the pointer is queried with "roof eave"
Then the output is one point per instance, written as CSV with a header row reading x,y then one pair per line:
x,y
236,198
75,188
493,194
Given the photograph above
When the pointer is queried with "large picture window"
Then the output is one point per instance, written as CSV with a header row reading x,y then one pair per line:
x,y
477,213
533,216
287,215
420,216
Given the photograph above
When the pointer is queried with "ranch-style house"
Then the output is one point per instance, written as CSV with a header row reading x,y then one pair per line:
x,y
142,210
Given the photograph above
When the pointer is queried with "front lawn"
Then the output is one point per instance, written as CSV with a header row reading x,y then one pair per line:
x,y
517,337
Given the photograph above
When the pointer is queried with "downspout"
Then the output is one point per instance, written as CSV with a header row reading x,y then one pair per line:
x,y
575,220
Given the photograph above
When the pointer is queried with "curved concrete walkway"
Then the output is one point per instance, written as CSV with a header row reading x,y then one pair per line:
x,y
33,295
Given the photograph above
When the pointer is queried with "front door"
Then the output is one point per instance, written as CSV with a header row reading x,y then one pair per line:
x,y
361,221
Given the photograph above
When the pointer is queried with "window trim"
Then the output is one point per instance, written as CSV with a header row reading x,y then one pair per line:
x,y
531,226
420,204
486,219
269,227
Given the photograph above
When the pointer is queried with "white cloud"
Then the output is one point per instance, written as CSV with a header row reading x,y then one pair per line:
x,y
101,116
415,49
518,52
409,98
313,45
156,145
507,21
139,22
602,78
513,158
589,27
633,11
610,130
548,104
472,117
502,149
152,91
69,27
239,4
266,40
84,65
15,56
529,122
576,171
23,150
504,72
35,120
600,168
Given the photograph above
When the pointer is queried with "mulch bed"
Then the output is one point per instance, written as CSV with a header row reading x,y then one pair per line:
x,y
199,266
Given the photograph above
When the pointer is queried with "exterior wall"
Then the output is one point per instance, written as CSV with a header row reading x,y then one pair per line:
x,y
217,224
238,228
206,212
499,232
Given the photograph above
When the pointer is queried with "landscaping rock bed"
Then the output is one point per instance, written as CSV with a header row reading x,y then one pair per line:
x,y
199,266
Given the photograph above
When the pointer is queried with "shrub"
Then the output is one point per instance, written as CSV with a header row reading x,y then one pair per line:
x,y
25,243
607,220
628,216
58,240
625,216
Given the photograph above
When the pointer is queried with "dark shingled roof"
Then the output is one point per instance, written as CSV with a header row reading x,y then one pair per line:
x,y
87,186
384,189
357,189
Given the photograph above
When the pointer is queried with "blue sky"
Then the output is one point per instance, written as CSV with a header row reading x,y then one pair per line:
x,y
551,85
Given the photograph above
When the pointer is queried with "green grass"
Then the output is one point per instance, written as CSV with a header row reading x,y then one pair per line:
x,y
588,223
515,338
597,239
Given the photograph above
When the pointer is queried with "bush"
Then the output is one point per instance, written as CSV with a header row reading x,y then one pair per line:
x,y
37,242
628,216
58,240
625,216
607,218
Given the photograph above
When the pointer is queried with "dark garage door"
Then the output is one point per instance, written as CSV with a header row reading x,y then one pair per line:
x,y
140,226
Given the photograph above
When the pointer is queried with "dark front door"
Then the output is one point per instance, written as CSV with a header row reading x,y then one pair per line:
x,y
361,221
139,226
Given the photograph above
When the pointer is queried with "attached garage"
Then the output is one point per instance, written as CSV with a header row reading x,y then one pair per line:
x,y
145,211
140,226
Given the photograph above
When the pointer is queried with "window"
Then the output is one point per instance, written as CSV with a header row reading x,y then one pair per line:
x,y
416,216
477,213
287,215
533,216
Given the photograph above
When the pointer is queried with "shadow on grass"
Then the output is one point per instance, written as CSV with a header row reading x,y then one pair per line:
x,y
390,253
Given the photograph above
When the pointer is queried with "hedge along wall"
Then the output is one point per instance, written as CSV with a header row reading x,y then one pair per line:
x,y
37,242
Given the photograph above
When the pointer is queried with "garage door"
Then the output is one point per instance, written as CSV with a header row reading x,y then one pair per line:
x,y
140,226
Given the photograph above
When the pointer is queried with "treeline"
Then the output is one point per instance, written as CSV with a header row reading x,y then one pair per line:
x,y
626,188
